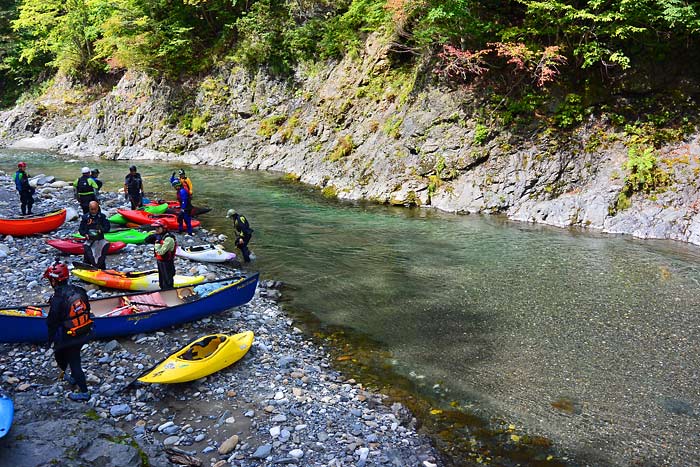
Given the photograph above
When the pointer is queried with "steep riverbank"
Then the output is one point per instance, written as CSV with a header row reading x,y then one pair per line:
x,y
356,130
282,404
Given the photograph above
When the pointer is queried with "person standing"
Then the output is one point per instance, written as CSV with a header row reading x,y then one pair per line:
x,y
164,246
94,174
85,189
133,188
243,233
25,190
93,226
185,214
69,327
184,181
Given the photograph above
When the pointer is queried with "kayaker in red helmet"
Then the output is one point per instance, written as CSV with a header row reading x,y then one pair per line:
x,y
164,245
69,327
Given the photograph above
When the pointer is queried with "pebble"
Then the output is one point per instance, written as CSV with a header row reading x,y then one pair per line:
x,y
283,380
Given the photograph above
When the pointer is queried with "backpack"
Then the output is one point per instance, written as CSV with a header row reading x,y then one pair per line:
x,y
83,186
133,183
77,321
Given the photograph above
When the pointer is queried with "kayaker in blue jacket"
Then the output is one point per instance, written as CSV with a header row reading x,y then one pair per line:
x,y
69,327
185,214
25,190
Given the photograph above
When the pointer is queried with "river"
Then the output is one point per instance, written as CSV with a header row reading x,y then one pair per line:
x,y
515,343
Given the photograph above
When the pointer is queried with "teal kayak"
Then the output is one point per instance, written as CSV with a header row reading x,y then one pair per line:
x,y
121,220
136,237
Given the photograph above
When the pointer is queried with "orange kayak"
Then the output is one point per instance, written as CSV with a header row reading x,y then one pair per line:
x,y
29,225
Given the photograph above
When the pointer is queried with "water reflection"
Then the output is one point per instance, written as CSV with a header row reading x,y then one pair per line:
x,y
585,338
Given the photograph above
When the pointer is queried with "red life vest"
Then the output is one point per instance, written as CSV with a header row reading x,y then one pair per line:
x,y
170,255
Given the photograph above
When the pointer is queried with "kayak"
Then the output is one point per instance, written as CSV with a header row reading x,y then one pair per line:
x,y
141,217
196,211
7,413
136,312
29,225
135,237
205,253
139,280
202,357
174,208
153,209
74,246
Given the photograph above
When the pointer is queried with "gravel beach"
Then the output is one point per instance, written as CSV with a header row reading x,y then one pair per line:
x,y
283,403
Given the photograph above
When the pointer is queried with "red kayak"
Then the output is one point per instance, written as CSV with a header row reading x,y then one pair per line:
x,y
143,217
29,225
174,207
74,246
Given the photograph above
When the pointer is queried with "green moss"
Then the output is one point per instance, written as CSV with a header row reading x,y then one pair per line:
x,y
270,125
329,191
391,127
343,148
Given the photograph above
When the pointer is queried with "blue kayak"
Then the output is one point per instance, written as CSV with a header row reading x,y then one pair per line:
x,y
7,413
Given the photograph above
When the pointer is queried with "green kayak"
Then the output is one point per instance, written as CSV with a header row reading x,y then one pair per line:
x,y
121,220
127,236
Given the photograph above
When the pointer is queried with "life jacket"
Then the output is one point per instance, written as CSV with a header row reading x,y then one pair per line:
x,y
83,186
170,255
133,183
187,185
77,321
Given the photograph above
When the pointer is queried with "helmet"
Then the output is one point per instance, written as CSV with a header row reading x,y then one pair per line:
x,y
95,171
132,167
181,173
85,170
22,165
57,271
158,223
231,213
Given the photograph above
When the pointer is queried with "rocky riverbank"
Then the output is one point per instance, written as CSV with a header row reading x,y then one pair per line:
x,y
357,133
283,403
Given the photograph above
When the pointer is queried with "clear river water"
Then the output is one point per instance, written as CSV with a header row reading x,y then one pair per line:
x,y
515,343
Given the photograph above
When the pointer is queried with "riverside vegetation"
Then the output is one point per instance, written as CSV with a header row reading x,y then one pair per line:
x,y
556,112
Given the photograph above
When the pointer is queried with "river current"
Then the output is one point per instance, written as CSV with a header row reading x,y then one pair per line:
x,y
584,341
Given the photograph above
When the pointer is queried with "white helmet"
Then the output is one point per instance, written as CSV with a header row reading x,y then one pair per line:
x,y
231,213
85,170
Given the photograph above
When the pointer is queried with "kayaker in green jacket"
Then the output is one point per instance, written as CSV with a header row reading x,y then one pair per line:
x,y
164,246
85,189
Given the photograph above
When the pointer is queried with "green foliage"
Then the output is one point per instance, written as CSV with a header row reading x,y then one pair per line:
x,y
481,134
570,112
644,174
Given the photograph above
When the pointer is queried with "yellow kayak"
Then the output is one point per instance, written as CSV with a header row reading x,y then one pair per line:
x,y
139,280
202,357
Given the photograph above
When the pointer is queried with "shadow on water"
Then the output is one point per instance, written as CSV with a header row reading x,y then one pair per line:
x,y
493,332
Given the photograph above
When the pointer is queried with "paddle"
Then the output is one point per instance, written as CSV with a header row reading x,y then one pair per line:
x,y
32,215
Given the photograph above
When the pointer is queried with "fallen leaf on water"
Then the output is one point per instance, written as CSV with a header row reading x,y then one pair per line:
x,y
435,412
343,358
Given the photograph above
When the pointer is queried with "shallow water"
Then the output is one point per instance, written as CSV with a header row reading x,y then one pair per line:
x,y
587,339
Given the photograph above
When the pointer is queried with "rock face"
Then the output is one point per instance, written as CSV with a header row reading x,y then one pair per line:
x,y
356,134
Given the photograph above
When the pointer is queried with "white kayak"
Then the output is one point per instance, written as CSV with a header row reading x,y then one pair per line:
x,y
205,253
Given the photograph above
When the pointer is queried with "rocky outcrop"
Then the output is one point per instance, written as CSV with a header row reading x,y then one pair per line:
x,y
358,131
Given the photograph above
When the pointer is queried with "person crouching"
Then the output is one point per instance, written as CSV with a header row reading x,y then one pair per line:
x,y
93,226
164,246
